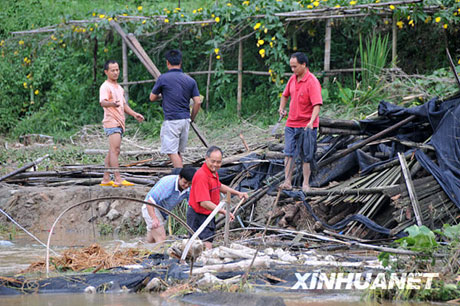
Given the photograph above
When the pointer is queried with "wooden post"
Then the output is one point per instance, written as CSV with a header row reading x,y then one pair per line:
x,y
394,42
411,189
240,78
327,50
94,66
227,219
208,82
124,49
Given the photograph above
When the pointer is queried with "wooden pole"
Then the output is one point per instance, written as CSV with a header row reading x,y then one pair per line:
x,y
24,168
327,49
208,82
94,65
124,49
394,42
227,219
365,142
240,78
410,189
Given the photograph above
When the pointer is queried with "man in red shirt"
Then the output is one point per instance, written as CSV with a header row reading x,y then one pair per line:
x,y
205,195
305,92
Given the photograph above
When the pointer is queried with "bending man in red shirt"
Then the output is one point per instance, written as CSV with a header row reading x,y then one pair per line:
x,y
305,92
205,195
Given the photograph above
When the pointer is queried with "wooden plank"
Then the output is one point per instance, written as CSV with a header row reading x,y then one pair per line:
x,y
327,49
153,71
239,93
137,44
124,52
25,167
411,189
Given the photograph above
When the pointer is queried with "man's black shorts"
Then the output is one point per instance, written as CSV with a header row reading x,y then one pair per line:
x,y
194,220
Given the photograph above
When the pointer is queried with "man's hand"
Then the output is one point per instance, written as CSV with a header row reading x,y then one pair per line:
x,y
242,195
309,126
155,223
282,112
116,103
139,117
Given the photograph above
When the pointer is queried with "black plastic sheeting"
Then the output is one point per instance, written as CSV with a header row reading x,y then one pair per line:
x,y
102,282
341,224
444,121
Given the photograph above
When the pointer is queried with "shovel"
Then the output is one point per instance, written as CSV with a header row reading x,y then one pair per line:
x,y
277,125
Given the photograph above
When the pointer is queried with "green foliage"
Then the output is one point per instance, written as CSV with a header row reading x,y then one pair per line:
x,y
105,229
49,83
421,239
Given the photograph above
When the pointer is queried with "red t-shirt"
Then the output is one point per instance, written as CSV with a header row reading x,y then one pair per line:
x,y
205,187
304,95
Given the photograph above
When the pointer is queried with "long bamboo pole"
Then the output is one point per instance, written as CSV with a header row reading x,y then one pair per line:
x,y
240,78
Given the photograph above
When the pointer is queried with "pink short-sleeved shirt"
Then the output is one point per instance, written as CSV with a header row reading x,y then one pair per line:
x,y
304,94
113,116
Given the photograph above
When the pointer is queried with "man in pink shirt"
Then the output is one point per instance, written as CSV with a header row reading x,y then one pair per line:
x,y
303,120
112,100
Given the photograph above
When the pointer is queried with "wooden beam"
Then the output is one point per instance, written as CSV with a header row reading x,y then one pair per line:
x,y
327,49
134,45
239,93
124,50
410,189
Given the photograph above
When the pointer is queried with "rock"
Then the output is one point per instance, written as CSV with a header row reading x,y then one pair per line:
x,y
115,204
127,216
103,208
90,289
113,214
155,284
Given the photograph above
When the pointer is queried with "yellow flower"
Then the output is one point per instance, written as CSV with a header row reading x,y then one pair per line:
x,y
218,57
282,81
177,9
229,4
337,6
124,14
400,24
270,71
257,26
262,52
21,42
280,94
144,21
411,23
408,17
216,50
110,19
212,15
36,92
310,6
63,45
217,19
316,3
428,19
139,8
106,50
265,30
445,26
2,42
271,44
438,19
24,84
182,15
245,2
385,21
94,14
392,7
260,42
273,38
458,62
166,20
25,59
101,16
29,75
377,1
194,11
91,29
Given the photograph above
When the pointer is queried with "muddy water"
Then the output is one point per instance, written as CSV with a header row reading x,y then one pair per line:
x,y
25,250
